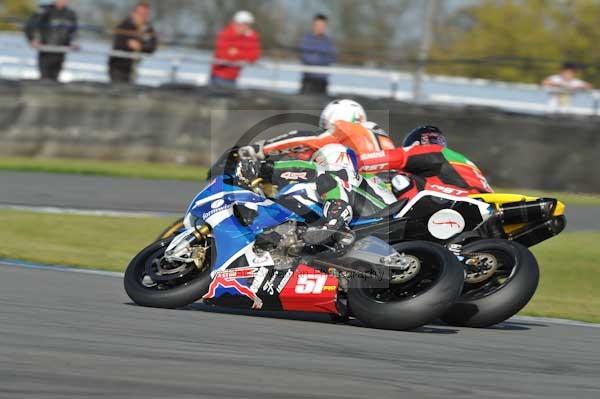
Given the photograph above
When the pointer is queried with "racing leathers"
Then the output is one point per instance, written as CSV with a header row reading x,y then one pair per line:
x,y
427,167
302,145
412,169
343,192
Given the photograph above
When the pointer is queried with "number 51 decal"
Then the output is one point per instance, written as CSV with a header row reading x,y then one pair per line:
x,y
310,283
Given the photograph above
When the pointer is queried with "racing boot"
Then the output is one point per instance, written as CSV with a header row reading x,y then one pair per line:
x,y
334,227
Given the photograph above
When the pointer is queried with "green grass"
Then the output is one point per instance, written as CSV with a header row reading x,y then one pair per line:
x,y
107,243
570,278
569,287
144,170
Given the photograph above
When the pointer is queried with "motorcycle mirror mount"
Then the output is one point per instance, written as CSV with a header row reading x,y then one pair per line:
x,y
244,214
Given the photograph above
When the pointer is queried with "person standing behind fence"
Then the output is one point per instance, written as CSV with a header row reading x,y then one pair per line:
x,y
134,35
54,24
236,43
563,86
316,49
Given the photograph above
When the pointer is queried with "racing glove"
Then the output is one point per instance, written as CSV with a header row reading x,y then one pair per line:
x,y
334,227
246,171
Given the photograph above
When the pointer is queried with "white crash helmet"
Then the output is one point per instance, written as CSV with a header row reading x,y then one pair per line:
x,y
335,158
342,110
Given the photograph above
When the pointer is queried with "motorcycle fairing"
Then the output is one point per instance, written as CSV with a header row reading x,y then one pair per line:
x,y
300,288
215,206
242,278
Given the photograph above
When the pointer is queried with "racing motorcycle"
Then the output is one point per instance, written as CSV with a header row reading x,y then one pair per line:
x,y
489,234
238,248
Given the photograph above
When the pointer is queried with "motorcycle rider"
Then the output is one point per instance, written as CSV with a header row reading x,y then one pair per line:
x,y
342,122
425,162
342,190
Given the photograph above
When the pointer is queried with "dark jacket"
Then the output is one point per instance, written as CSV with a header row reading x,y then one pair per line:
x,y
52,26
127,30
317,51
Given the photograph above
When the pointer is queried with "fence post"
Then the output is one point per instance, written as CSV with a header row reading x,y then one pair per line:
x,y
175,64
395,81
276,71
596,97
426,39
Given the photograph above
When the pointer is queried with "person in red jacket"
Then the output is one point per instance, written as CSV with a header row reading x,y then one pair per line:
x,y
236,44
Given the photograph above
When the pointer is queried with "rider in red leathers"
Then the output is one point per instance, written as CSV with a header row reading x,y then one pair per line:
x,y
425,163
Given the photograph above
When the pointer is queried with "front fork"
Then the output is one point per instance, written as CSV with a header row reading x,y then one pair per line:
x,y
181,248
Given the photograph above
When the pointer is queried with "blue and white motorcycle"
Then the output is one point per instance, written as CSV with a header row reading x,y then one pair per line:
x,y
238,248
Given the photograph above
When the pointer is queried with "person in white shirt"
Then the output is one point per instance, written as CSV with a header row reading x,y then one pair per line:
x,y
563,86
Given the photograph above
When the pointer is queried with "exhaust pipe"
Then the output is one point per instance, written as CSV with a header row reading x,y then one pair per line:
x,y
541,232
525,212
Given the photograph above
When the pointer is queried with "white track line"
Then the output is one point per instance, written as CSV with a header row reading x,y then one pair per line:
x,y
66,269
88,212
552,320
57,268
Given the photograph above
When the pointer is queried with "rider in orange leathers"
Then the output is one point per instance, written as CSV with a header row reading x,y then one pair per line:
x,y
423,163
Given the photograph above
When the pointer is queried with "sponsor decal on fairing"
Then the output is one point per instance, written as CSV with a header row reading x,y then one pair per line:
x,y
294,176
446,224
285,280
229,279
449,190
269,286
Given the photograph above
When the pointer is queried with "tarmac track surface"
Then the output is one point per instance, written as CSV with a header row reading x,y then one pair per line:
x,y
106,193
70,335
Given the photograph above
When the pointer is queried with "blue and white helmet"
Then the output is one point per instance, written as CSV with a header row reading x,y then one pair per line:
x,y
342,110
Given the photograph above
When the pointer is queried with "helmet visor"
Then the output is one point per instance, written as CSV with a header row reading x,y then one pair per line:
x,y
433,138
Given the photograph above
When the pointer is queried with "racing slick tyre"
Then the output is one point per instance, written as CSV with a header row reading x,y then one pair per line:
x,y
409,302
171,230
509,288
150,283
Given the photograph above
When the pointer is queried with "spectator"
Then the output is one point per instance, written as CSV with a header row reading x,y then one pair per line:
x,y
134,35
237,42
563,86
316,49
54,24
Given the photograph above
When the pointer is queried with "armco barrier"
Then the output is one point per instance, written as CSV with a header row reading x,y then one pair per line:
x,y
194,124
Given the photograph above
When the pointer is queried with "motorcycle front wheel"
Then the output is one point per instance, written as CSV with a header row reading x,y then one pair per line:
x,y
151,281
512,284
398,305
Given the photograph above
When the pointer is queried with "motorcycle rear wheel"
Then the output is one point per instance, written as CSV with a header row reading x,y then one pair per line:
x,y
415,303
501,296
169,295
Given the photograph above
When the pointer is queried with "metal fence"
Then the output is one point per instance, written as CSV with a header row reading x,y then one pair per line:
x,y
174,65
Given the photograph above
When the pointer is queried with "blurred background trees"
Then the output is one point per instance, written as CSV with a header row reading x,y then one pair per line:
x,y
512,40
14,11
518,40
